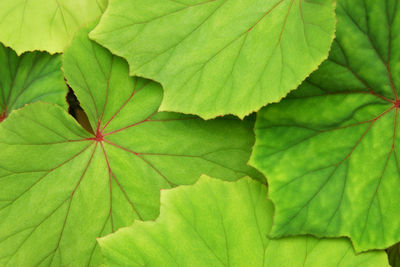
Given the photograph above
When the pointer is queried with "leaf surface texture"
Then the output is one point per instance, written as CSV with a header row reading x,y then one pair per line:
x,y
30,77
46,25
228,228
331,150
216,57
61,187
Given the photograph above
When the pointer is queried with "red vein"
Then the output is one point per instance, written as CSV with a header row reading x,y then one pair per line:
x,y
95,243
48,172
391,81
132,125
70,203
126,196
143,159
109,181
366,131
30,234
148,119
107,89
328,130
181,119
386,64
191,156
326,93
265,14
119,185
227,45
363,82
380,96
394,128
122,106
3,115
285,21
337,166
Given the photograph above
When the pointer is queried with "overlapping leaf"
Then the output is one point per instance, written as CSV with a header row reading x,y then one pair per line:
x,y
331,150
28,78
44,24
229,228
61,186
217,57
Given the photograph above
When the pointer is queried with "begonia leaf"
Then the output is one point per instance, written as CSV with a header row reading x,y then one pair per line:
x,y
61,186
331,150
46,25
227,228
216,57
27,78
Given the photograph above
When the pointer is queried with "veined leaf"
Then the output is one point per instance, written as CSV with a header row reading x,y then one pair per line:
x,y
216,57
331,150
49,25
28,78
61,187
227,228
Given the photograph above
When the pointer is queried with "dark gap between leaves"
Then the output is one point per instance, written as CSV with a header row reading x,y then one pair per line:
x,y
77,111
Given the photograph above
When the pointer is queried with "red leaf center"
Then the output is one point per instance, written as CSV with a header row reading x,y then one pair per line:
x,y
3,116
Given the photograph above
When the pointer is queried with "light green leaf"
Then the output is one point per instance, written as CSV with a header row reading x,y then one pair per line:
x,y
49,25
28,78
331,150
229,227
61,186
216,57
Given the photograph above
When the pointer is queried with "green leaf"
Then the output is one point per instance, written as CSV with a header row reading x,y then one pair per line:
x,y
216,57
331,150
28,78
47,25
228,228
61,186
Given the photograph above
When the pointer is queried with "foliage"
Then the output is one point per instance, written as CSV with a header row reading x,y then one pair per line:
x,y
28,78
205,52
193,231
117,171
103,180
44,25
333,144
